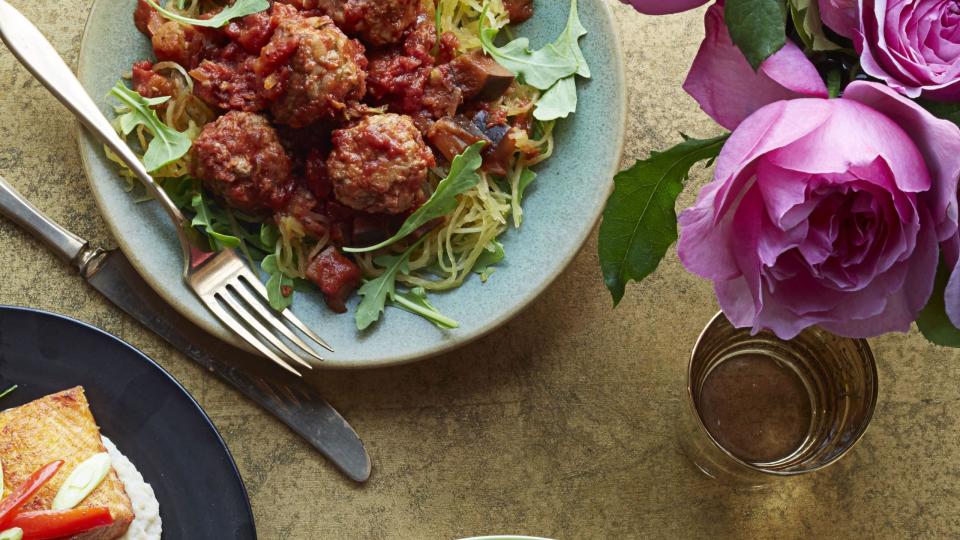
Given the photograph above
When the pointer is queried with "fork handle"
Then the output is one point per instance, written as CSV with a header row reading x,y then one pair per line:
x,y
42,60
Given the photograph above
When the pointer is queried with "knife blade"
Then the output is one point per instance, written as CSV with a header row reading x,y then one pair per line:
x,y
293,401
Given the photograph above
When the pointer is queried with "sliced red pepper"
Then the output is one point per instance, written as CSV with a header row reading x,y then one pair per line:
x,y
23,492
49,524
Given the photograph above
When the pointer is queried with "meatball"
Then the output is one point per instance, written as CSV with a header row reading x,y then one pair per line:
x,y
409,80
327,70
376,22
379,165
239,157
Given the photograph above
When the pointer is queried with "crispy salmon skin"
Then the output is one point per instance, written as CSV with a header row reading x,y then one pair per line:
x,y
59,426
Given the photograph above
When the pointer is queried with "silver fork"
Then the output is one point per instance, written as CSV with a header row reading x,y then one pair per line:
x,y
222,281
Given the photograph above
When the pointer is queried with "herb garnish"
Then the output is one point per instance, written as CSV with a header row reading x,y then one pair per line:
x,y
492,255
279,286
240,8
463,176
8,391
415,301
168,145
377,292
552,69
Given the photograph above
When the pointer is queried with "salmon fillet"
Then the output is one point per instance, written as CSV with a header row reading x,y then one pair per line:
x,y
59,426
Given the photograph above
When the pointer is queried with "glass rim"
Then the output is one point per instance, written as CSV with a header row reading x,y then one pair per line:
x,y
868,418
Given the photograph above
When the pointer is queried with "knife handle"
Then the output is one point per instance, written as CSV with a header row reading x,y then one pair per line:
x,y
67,246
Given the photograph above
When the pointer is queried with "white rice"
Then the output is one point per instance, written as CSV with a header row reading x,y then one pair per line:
x,y
146,509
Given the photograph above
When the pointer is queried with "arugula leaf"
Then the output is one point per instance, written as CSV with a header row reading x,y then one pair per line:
x,y
492,255
933,321
240,8
8,391
552,69
415,301
269,235
757,27
570,40
541,69
560,101
168,145
210,221
640,221
463,176
181,190
376,291
526,178
279,287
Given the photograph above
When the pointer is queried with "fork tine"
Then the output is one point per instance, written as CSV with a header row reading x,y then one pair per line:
x,y
288,315
237,327
260,329
271,317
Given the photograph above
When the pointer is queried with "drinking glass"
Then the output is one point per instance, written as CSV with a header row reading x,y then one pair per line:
x,y
758,408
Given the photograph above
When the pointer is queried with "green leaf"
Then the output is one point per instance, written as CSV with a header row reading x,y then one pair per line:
x,y
215,225
570,40
541,69
492,255
240,8
181,190
526,178
8,391
942,109
933,322
560,101
463,176
640,221
269,235
415,301
806,19
279,286
834,82
757,27
168,145
375,292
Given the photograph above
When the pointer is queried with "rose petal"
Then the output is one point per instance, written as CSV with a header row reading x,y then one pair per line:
x,y
938,141
705,229
663,7
727,88
911,46
841,16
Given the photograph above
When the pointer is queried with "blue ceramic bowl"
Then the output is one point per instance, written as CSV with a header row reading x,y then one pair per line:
x,y
561,208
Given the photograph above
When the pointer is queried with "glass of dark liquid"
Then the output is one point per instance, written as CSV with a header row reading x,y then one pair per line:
x,y
759,408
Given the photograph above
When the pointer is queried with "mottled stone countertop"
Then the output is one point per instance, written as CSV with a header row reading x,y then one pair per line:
x,y
560,424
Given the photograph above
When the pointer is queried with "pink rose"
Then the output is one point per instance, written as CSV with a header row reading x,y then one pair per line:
x,y
829,212
727,88
663,7
912,45
840,16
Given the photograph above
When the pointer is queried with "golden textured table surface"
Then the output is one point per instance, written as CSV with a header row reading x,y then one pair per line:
x,y
560,424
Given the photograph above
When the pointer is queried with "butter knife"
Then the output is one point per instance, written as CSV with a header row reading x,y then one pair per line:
x,y
294,402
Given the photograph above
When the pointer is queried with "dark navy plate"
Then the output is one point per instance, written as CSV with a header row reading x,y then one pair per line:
x,y
141,408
